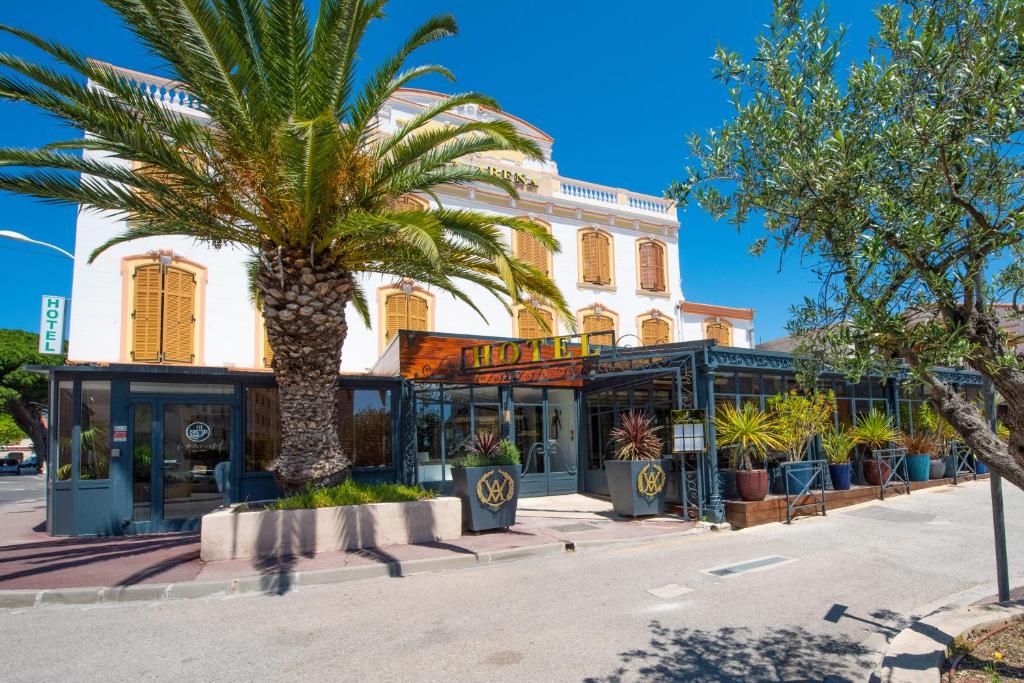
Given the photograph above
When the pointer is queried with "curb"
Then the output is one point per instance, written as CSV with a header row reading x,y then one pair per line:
x,y
281,583
917,653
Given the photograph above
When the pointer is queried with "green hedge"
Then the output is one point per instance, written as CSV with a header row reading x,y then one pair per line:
x,y
352,493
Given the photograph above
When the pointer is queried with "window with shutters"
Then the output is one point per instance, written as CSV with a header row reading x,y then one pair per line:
x,y
595,253
529,249
528,327
163,317
718,330
404,311
407,203
655,331
651,266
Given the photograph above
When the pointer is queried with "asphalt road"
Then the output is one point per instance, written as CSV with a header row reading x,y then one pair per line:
x,y
15,488
845,584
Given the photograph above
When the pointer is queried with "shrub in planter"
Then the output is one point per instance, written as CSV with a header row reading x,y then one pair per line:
x,y
753,433
638,476
920,447
799,418
838,445
486,480
874,431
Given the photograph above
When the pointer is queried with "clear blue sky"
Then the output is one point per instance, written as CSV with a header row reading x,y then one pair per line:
x,y
618,85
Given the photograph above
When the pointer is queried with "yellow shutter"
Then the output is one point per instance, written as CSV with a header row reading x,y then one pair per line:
x,y
654,332
720,332
591,268
530,250
529,328
179,315
652,267
146,313
418,314
660,277
604,259
394,315
599,323
268,353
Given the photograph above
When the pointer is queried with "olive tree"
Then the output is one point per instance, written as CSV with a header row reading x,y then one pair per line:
x,y
898,181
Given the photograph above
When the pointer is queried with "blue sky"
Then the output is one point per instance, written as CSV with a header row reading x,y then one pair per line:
x,y
617,88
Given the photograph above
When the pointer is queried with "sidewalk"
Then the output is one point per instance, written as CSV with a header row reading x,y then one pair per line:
x,y
29,559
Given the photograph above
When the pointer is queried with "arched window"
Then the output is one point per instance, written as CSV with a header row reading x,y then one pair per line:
x,y
530,250
596,257
527,326
651,266
718,330
655,331
405,311
163,314
596,319
407,202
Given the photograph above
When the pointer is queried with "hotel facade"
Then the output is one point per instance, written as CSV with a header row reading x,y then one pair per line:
x,y
168,364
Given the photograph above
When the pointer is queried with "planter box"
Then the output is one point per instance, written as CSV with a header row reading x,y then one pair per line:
x,y
637,486
489,495
229,535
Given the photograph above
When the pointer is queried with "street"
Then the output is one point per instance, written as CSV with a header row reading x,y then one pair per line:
x,y
20,488
839,588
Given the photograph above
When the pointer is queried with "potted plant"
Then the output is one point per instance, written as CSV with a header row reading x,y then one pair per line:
x,y
638,476
486,480
920,447
799,418
752,432
837,446
874,431
944,435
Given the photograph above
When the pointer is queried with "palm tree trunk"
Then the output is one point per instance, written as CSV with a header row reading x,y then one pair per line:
x,y
304,310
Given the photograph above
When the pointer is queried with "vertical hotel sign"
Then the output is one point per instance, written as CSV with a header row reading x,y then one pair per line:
x,y
51,324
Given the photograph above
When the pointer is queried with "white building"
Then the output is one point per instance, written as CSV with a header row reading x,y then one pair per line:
x,y
172,300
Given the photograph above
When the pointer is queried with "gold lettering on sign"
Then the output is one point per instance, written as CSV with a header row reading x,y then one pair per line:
x,y
495,488
481,356
585,349
508,353
535,345
528,351
651,480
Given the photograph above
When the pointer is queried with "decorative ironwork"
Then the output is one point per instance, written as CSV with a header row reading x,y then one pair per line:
x,y
808,488
891,466
963,463
495,488
407,428
650,480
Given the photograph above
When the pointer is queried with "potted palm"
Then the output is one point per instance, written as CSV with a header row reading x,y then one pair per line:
x,y
486,480
638,475
837,446
920,447
799,418
752,432
873,431
944,435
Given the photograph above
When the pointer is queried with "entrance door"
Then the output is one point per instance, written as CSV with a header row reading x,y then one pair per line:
x,y
545,432
176,446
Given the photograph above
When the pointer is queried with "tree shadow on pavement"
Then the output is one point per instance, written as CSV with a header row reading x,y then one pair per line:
x,y
738,654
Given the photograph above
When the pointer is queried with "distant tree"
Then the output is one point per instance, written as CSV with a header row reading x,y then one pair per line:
x,y
10,432
899,181
23,393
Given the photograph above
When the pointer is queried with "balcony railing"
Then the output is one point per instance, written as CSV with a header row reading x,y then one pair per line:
x,y
600,195
167,92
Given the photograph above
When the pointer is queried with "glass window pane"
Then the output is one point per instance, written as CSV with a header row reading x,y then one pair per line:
x,y
142,461
748,384
485,394
527,395
180,388
725,383
529,433
262,428
95,435
196,439
772,385
372,422
562,451
844,413
65,417
429,454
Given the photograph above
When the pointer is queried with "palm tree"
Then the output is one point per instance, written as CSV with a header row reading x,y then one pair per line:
x,y
292,165
750,430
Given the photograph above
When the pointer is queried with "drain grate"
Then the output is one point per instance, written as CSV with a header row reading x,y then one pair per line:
x,y
579,526
749,565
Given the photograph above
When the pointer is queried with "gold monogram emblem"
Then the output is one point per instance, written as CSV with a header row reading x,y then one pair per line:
x,y
651,480
495,488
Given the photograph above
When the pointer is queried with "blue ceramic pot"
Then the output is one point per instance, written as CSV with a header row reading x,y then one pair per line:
x,y
840,474
798,475
918,466
980,467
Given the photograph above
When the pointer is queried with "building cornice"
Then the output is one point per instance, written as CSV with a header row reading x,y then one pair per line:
x,y
715,310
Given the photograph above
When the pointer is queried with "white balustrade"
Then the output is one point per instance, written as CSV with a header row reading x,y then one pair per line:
x,y
589,193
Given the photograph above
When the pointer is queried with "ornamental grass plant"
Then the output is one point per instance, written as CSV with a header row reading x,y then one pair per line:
x,y
351,493
837,444
636,437
919,443
487,449
750,430
874,430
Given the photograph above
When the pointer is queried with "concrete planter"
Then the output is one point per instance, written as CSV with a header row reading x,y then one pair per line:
x,y
937,468
229,535
637,486
489,495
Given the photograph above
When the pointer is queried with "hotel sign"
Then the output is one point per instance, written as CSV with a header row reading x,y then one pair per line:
x,y
51,324
514,177
529,352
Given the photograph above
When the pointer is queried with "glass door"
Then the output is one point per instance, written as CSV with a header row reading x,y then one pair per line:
x,y
142,462
196,438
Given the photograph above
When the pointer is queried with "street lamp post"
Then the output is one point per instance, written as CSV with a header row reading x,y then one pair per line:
x,y
18,237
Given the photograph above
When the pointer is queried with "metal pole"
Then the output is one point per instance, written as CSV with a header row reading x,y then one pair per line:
x,y
995,481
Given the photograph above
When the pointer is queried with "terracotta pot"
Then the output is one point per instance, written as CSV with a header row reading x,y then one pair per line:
x,y
876,471
752,484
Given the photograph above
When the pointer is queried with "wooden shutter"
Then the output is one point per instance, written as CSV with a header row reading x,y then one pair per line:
x,y
529,328
394,316
179,320
652,267
418,314
591,269
146,313
530,250
654,332
598,323
268,353
720,332
604,259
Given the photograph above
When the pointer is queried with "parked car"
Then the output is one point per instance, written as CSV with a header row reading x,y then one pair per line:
x,y
10,465
30,464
